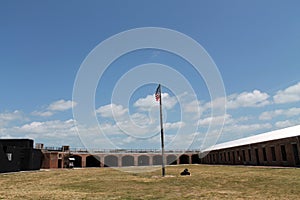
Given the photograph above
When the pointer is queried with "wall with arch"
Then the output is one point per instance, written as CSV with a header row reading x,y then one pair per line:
x,y
83,159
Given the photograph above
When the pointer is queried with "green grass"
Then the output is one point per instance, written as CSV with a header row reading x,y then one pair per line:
x,y
206,182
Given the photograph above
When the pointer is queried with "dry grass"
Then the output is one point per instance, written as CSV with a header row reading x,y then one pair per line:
x,y
206,182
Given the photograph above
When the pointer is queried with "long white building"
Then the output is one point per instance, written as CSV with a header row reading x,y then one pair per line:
x,y
275,148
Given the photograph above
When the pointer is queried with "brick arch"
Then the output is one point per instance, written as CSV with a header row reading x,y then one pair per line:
x,y
92,161
171,160
127,161
195,159
77,161
184,159
143,160
110,161
157,160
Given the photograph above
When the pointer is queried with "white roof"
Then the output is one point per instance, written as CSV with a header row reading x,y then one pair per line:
x,y
273,135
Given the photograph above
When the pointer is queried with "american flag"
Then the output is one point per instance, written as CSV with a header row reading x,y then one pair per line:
x,y
158,93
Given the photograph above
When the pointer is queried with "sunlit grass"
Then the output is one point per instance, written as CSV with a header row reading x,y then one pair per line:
x,y
206,182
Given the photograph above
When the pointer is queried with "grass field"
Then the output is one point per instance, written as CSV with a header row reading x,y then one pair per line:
x,y
206,182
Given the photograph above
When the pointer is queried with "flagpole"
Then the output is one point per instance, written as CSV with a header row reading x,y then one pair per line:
x,y
162,135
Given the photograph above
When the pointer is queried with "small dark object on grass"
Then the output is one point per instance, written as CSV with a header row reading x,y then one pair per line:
x,y
185,173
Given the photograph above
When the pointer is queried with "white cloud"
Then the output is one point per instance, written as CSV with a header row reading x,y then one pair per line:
x,y
111,110
142,120
144,104
216,121
122,129
181,141
128,128
255,98
7,117
108,129
193,107
10,116
54,132
61,105
218,103
271,114
287,123
175,125
290,94
246,128
50,128
42,113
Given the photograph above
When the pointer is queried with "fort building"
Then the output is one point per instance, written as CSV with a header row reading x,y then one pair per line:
x,y
275,148
19,155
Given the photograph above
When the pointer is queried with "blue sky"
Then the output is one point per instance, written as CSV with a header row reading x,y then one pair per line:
x,y
254,44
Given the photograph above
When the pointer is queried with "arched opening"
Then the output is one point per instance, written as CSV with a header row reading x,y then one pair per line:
x,y
92,161
195,159
77,161
184,159
171,160
111,161
143,160
157,160
127,161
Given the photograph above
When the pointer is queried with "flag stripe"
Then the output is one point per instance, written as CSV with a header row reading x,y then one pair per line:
x,y
158,93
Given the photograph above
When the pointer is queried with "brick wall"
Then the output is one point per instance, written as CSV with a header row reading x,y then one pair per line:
x,y
281,152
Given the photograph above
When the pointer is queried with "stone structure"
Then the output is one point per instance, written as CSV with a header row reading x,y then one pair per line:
x,y
275,148
19,155
58,158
